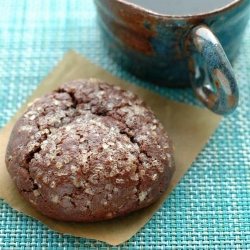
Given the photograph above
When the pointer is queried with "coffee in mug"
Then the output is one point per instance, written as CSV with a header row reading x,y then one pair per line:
x,y
181,7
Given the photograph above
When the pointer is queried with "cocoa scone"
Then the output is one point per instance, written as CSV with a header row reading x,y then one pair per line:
x,y
89,151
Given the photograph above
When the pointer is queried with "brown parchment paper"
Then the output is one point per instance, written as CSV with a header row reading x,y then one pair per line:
x,y
190,128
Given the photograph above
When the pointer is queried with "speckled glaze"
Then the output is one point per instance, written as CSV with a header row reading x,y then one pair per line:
x,y
178,51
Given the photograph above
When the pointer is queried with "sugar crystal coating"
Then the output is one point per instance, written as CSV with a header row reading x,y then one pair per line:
x,y
89,152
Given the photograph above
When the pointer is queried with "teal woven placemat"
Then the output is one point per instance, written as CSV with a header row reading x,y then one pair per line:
x,y
209,209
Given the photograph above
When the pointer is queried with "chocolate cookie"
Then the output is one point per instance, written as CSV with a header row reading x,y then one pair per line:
x,y
89,152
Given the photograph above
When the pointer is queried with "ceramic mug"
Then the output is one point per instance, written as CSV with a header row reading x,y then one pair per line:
x,y
179,50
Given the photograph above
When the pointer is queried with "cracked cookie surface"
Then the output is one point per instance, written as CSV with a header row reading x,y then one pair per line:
x,y
89,152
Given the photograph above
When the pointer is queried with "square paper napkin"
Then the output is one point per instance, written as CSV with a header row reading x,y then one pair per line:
x,y
190,128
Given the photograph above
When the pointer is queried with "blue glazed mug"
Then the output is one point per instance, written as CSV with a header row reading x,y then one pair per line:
x,y
179,50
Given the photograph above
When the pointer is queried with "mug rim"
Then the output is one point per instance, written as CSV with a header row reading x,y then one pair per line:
x,y
187,16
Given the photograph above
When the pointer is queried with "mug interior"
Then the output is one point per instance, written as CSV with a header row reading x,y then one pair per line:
x,y
181,8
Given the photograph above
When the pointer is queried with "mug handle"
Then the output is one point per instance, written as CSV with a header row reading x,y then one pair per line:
x,y
211,73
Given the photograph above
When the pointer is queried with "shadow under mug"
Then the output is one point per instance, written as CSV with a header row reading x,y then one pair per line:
x,y
178,51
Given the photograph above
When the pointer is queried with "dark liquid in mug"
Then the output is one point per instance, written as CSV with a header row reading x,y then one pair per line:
x,y
181,7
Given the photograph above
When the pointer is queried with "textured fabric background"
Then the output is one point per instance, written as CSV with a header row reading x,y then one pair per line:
x,y
209,209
